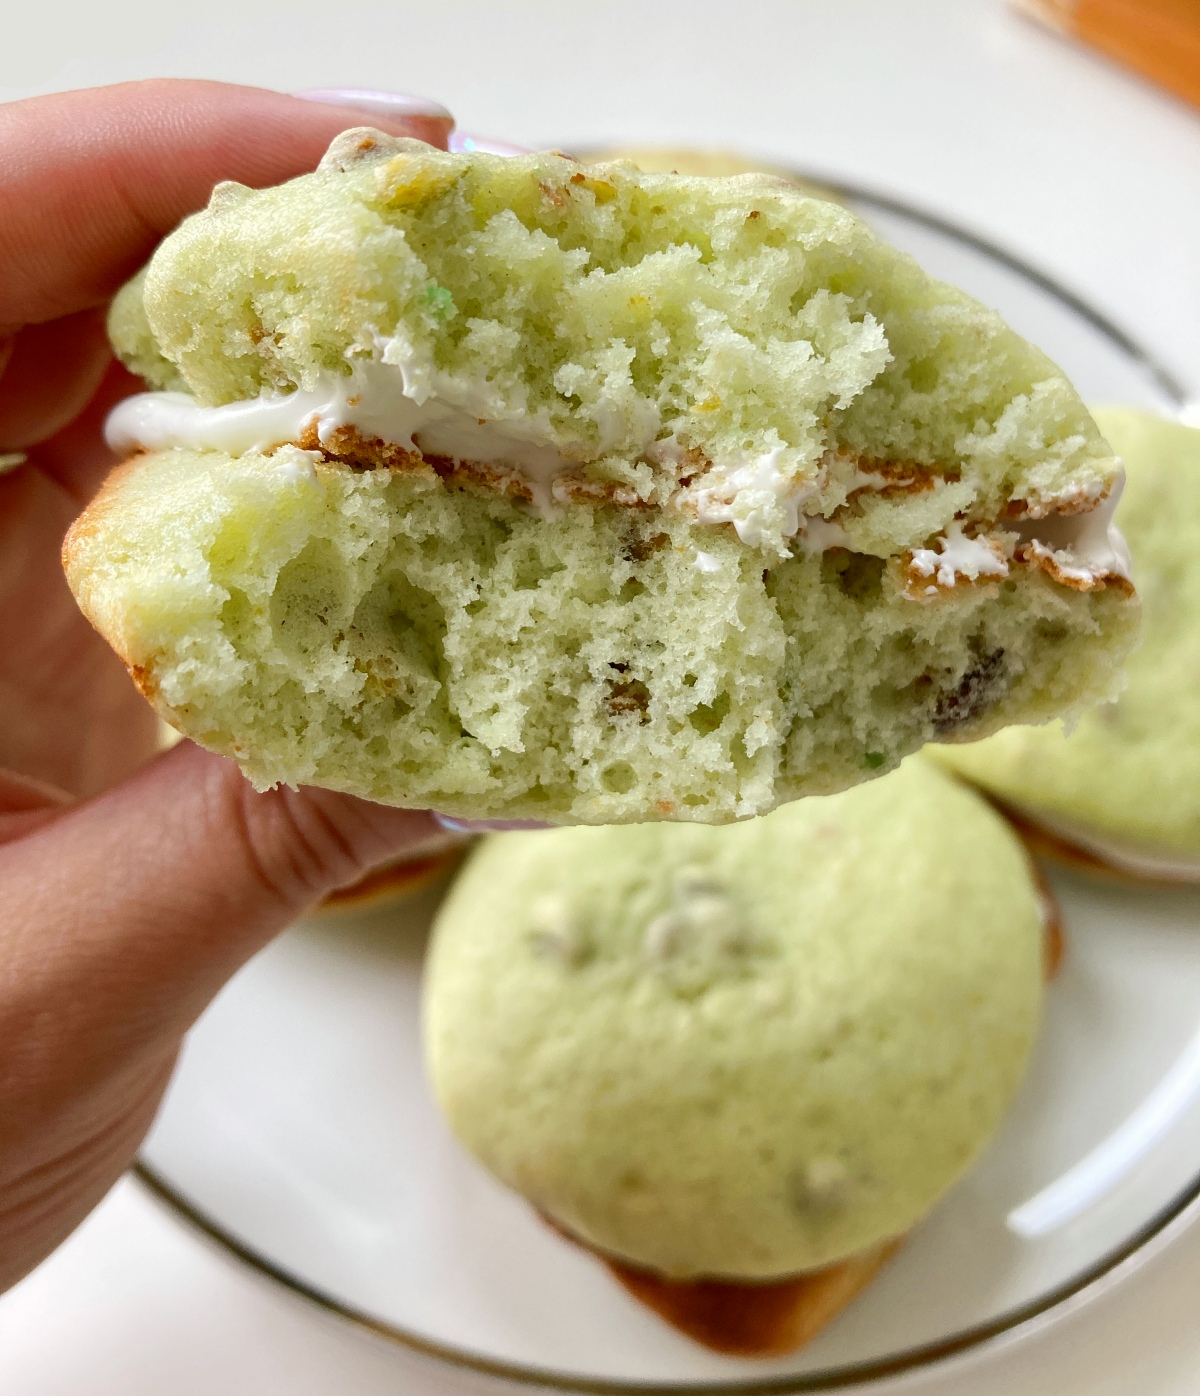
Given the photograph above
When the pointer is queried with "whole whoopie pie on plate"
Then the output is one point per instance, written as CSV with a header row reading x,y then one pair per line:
x,y
740,1063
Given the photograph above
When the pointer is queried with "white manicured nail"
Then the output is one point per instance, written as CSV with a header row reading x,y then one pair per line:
x,y
460,141
396,105
486,826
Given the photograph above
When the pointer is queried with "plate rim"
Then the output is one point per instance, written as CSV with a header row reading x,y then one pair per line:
x,y
1012,1325
1155,1233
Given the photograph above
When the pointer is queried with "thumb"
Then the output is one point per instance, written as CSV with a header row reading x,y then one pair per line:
x,y
173,878
123,916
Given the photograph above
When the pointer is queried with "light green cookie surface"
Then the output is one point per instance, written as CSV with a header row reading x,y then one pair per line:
x,y
747,1051
374,632
743,317
1129,771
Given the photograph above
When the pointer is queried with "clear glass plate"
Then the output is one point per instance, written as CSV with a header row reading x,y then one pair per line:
x,y
299,1132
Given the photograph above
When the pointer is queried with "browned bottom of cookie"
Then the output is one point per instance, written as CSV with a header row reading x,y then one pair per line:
x,y
746,1319
1046,844
394,880
1054,937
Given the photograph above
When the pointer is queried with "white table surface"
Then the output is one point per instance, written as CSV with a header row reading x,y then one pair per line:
x,y
954,104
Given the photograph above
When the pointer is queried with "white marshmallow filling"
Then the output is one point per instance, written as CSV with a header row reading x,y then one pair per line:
x,y
398,404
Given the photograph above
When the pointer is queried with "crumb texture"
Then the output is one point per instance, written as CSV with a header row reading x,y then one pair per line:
x,y
654,327
1130,770
392,635
743,1052
780,440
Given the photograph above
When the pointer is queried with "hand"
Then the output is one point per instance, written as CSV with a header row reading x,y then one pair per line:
x,y
129,891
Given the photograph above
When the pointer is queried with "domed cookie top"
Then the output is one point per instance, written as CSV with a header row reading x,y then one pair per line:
x,y
740,1052
757,355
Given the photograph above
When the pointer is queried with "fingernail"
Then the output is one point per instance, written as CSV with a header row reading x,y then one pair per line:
x,y
429,119
486,826
397,104
461,142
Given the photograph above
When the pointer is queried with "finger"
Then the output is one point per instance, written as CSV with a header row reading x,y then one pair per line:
x,y
55,1170
153,893
78,458
92,180
122,918
430,120
53,372
63,692
22,795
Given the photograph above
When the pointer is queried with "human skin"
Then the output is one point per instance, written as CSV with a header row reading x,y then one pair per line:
x,y
131,886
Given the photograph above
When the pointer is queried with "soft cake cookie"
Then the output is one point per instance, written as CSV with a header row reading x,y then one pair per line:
x,y
688,160
526,489
757,1053
1123,789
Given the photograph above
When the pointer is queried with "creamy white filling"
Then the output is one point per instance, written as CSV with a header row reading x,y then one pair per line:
x,y
755,496
959,556
1125,857
403,402
295,466
818,535
377,399
397,398
1084,546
